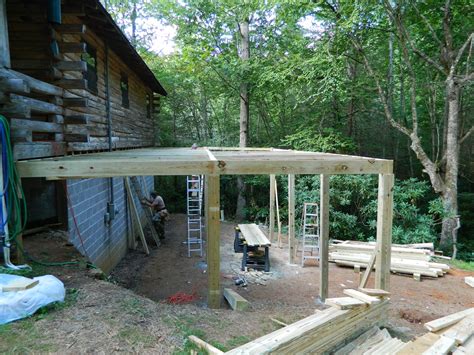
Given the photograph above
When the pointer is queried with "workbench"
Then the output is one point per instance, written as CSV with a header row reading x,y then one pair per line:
x,y
248,240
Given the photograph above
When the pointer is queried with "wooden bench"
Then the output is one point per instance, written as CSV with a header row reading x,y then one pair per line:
x,y
249,238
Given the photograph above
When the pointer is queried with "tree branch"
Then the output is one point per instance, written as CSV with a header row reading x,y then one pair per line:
x,y
466,135
461,52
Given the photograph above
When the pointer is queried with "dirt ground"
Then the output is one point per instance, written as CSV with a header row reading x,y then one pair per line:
x,y
129,311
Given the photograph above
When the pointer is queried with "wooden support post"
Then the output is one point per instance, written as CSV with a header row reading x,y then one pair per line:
x,y
324,237
291,218
213,240
271,224
384,232
277,205
4,43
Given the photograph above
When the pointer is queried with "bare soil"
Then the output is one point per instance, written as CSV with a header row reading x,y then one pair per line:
x,y
129,311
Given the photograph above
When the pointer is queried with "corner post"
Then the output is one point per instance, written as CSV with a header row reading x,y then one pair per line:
x,y
291,218
213,240
324,237
271,224
4,43
384,231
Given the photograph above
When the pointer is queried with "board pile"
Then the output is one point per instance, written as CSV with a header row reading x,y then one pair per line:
x,y
451,334
374,341
406,259
323,331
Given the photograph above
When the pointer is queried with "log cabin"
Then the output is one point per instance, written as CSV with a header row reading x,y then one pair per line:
x,y
72,83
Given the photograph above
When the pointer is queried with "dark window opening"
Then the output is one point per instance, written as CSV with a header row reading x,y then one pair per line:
x,y
124,90
90,57
149,106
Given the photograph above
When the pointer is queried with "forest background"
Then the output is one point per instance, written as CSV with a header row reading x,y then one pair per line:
x,y
386,79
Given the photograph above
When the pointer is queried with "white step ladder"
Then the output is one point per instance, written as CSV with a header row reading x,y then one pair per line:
x,y
310,232
194,195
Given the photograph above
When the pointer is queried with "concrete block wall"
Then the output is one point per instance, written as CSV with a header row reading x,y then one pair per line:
x,y
103,243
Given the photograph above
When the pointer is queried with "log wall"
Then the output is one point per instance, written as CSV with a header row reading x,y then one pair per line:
x,y
65,116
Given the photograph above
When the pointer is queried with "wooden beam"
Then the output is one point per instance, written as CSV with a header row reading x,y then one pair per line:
x,y
71,65
16,86
384,232
236,301
37,105
80,84
324,237
271,223
77,29
291,219
4,42
277,205
72,47
76,102
135,215
213,240
35,85
368,270
201,344
35,126
361,296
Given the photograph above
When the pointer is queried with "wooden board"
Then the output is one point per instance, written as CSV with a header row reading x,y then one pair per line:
x,y
19,285
469,280
462,330
374,292
362,296
445,322
442,346
236,301
345,302
253,235
201,344
419,345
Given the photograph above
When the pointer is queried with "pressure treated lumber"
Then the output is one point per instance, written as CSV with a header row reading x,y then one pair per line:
x,y
462,330
345,302
441,347
135,215
19,285
374,292
362,296
445,322
324,237
291,219
212,203
469,280
419,345
204,346
317,333
384,231
272,208
253,235
236,301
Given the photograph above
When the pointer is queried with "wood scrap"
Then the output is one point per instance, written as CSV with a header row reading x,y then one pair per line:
x,y
374,292
278,322
236,301
19,285
469,280
201,344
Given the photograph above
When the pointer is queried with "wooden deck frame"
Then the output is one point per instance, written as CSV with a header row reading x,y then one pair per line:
x,y
216,161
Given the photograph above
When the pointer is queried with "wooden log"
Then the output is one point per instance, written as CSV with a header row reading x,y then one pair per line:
x,y
36,126
70,65
72,83
35,85
16,86
75,102
70,137
361,296
36,105
38,150
21,135
14,109
4,41
72,47
201,344
451,319
77,29
324,237
236,301
79,119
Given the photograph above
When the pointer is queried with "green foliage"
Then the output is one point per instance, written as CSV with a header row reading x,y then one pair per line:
x,y
329,141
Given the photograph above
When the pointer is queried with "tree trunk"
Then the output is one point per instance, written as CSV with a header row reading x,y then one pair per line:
x,y
244,115
450,193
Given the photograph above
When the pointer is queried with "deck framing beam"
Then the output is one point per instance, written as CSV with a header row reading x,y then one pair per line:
x,y
324,237
291,219
213,226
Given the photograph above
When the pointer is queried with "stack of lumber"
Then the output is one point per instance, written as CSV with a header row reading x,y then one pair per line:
x,y
451,334
324,330
374,341
405,259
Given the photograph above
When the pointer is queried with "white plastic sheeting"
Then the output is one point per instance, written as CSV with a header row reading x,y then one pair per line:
x,y
21,304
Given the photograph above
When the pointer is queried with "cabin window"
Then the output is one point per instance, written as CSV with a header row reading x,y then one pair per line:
x,y
90,57
149,105
124,90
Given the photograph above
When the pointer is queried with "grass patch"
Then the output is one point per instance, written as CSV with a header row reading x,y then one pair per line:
x,y
237,341
463,265
133,306
135,336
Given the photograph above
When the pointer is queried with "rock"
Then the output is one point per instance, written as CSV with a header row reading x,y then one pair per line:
x,y
97,273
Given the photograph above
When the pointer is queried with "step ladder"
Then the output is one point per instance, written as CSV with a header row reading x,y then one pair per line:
x,y
141,194
310,232
194,197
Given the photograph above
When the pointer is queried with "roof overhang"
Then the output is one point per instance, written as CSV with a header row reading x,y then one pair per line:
x,y
212,161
